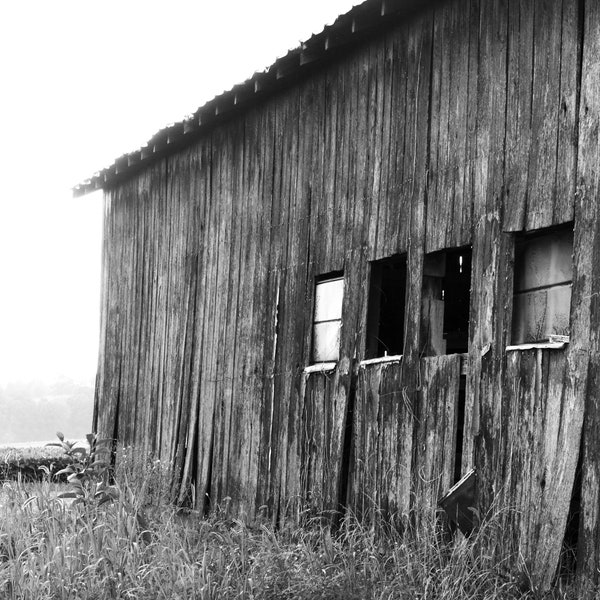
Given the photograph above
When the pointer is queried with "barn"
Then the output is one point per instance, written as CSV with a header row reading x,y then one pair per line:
x,y
361,273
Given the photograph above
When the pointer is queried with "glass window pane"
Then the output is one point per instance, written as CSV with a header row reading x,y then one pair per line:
x,y
328,299
541,313
544,260
326,341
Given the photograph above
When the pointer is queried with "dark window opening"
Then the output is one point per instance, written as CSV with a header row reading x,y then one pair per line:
x,y
387,300
542,285
446,301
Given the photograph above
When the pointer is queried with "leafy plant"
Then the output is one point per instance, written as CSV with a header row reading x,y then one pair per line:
x,y
89,473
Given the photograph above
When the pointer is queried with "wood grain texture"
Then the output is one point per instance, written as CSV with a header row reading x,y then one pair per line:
x,y
449,204
437,430
382,442
460,125
542,430
585,307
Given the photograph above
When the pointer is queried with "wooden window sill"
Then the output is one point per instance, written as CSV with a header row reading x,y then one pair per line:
x,y
540,345
381,359
322,367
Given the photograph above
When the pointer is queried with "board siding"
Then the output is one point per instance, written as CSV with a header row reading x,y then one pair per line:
x,y
460,125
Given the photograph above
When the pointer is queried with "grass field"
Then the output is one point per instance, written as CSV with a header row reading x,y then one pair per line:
x,y
136,546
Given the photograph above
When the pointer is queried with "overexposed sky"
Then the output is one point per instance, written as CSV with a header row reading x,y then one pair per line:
x,y
81,83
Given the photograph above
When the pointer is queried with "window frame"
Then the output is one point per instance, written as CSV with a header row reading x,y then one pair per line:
x,y
523,318
439,297
373,336
316,357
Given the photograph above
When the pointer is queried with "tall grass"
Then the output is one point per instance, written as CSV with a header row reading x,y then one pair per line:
x,y
140,547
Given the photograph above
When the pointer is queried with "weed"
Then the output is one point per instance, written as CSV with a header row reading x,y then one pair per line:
x,y
97,550
89,471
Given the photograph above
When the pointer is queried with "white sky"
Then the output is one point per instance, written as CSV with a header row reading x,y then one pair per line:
x,y
81,83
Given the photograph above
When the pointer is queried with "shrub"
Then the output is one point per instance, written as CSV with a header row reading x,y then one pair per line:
x,y
31,464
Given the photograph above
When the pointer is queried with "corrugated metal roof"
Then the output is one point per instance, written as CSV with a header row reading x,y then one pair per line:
x,y
361,21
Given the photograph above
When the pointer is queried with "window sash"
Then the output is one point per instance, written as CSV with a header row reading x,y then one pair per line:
x,y
326,341
542,286
327,321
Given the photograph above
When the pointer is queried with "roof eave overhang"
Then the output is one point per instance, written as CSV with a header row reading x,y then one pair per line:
x,y
349,29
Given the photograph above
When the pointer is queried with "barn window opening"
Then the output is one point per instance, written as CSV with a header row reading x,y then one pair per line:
x,y
542,286
387,301
327,322
446,301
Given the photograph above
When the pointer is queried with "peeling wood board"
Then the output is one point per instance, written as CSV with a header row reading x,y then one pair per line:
x,y
539,449
436,430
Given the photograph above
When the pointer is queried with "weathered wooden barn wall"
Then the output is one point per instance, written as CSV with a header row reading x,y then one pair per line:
x,y
468,122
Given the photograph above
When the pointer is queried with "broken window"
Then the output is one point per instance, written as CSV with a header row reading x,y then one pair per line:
x,y
329,293
446,301
387,299
542,286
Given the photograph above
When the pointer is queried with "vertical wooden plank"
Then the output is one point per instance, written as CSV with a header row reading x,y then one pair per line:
x,y
342,256
261,187
301,248
248,459
277,403
200,432
416,166
491,250
472,90
314,445
330,150
299,288
460,234
106,394
585,307
361,103
449,210
518,111
318,195
126,425
191,472
161,289
176,315
545,113
438,130
147,311
542,429
208,466
472,181
377,215
240,351
288,365
566,162
383,445
338,202
392,227
367,174
363,464
227,158
436,431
